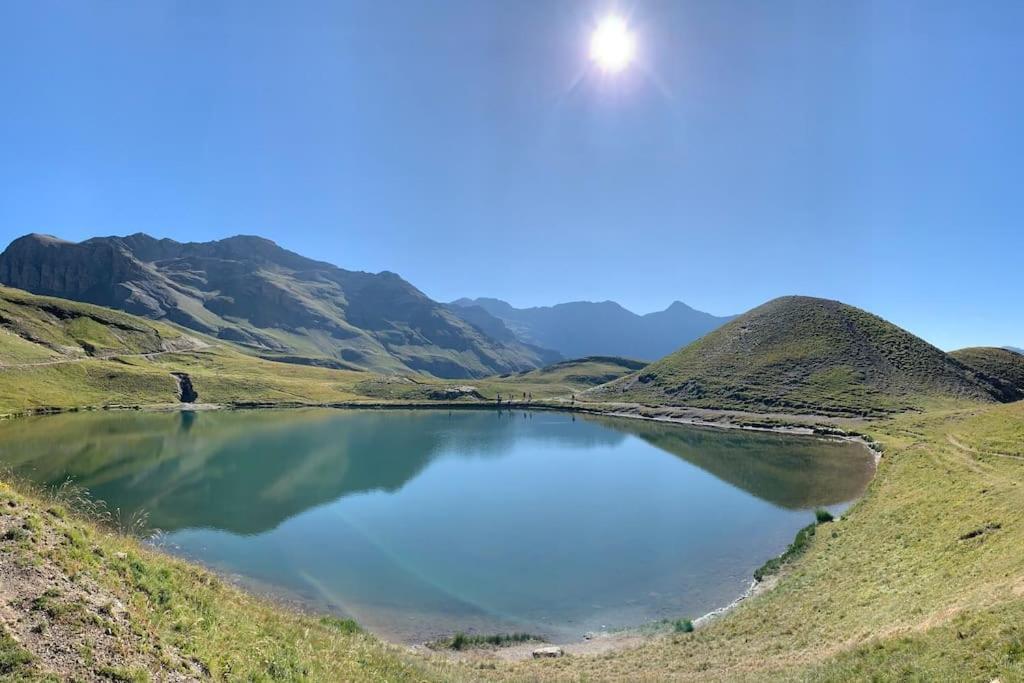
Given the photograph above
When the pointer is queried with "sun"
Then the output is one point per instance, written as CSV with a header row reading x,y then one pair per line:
x,y
612,45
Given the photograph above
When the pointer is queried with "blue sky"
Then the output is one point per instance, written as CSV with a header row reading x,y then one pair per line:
x,y
870,152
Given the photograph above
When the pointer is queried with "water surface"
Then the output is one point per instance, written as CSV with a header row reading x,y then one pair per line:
x,y
421,523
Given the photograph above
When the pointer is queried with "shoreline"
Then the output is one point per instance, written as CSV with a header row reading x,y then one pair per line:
x,y
809,425
592,643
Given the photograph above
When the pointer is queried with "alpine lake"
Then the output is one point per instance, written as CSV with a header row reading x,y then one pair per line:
x,y
422,523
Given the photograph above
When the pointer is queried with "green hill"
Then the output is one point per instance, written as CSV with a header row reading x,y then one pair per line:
x,y
36,329
802,354
580,372
1004,367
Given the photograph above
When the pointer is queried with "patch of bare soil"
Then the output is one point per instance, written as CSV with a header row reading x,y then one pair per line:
x,y
594,644
74,628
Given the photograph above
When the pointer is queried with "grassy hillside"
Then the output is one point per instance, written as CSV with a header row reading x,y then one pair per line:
x,y
577,373
56,353
1004,367
38,329
801,354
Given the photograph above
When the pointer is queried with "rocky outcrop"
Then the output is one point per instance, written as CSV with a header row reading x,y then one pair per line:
x,y
186,392
455,393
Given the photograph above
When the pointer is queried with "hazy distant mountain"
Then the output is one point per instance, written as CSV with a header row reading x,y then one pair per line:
x,y
1014,349
585,328
252,292
496,329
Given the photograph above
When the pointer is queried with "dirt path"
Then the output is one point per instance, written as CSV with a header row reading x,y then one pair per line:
x,y
961,446
62,361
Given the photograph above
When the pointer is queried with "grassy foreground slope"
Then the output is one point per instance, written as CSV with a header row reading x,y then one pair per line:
x,y
82,603
1004,367
801,354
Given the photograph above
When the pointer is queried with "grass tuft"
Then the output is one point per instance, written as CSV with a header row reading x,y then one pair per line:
x,y
347,626
797,548
15,661
463,641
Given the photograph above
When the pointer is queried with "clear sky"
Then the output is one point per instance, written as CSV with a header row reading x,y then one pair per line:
x,y
867,151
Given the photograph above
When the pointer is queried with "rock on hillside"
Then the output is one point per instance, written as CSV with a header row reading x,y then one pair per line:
x,y
802,354
250,291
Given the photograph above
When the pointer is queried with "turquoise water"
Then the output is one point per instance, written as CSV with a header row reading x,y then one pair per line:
x,y
422,523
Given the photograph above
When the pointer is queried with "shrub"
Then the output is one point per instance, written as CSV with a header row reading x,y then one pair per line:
x,y
683,626
795,550
823,515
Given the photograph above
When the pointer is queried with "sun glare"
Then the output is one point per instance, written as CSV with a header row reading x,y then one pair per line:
x,y
612,46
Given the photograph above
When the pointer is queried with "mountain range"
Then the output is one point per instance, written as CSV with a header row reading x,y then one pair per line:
x,y
584,328
269,300
283,306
